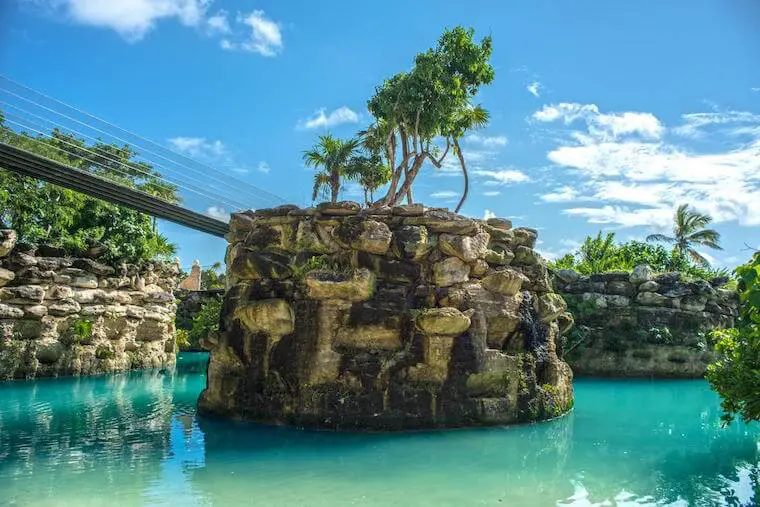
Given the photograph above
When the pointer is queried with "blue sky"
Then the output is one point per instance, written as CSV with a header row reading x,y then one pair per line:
x,y
605,115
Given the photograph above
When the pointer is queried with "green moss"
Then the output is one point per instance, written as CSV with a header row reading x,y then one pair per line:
x,y
104,352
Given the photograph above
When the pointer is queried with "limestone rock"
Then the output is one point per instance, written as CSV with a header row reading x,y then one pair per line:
x,y
504,281
7,241
467,248
500,258
649,286
63,307
85,281
525,256
549,306
35,311
272,316
49,351
479,268
93,267
445,222
651,299
525,236
6,276
10,312
442,321
641,274
356,286
450,271
567,275
375,238
250,265
499,223
340,208
368,337
409,210
23,294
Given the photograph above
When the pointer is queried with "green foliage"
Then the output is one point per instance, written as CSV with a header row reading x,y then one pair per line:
x,y
314,263
205,322
104,352
333,156
79,331
182,339
736,374
656,336
689,231
601,254
579,308
45,213
213,277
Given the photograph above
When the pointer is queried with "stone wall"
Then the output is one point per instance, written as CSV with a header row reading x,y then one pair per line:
x,y
639,324
77,316
385,319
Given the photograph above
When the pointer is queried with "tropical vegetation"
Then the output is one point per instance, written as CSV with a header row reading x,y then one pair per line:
x,y
44,213
600,253
736,373
689,231
419,116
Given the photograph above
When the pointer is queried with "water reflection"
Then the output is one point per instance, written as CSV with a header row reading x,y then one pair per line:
x,y
135,440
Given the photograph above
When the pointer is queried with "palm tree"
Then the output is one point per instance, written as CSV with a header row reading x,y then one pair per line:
x,y
688,231
370,172
333,156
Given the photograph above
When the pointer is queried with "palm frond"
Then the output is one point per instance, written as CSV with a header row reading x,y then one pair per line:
x,y
697,257
661,237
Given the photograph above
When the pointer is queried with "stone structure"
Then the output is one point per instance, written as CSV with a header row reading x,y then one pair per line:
x,y
77,316
385,319
639,324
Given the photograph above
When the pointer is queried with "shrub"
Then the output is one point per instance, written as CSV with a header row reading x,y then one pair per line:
x,y
735,374
79,331
181,338
205,322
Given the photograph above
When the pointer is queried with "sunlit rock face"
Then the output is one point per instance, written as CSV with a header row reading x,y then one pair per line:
x,y
385,319
642,324
77,316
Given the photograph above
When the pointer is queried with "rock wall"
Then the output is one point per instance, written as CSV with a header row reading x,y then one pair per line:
x,y
77,316
639,324
385,319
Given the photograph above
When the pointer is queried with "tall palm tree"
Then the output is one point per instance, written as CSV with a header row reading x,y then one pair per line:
x,y
688,231
333,156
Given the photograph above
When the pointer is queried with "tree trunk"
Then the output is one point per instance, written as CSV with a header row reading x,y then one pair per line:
x,y
464,173
411,175
334,186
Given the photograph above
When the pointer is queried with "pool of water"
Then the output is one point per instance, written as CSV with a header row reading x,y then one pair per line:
x,y
135,439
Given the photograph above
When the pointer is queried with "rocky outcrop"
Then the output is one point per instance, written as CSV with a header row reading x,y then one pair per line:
x,y
641,324
78,316
385,319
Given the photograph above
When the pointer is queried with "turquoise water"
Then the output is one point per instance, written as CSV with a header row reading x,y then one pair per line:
x,y
134,439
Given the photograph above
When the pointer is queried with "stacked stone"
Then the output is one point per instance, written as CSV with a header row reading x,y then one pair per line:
x,y
385,319
77,316
625,308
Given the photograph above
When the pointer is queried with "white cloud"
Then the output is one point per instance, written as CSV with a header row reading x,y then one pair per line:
x,y
198,147
534,88
488,214
444,194
218,24
489,141
263,167
132,19
755,89
602,126
639,179
491,193
336,117
502,176
265,37
219,213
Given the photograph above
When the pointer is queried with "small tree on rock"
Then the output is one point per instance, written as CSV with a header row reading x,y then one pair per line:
x,y
333,156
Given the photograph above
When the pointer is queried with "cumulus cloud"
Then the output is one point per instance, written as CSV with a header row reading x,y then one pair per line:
x,y
218,212
134,19
488,214
489,141
321,119
444,194
492,193
264,35
534,88
263,167
502,176
638,172
198,147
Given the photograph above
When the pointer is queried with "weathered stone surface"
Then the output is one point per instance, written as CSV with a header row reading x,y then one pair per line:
x,y
10,312
22,294
499,223
525,236
549,306
49,351
525,256
375,237
641,274
8,240
649,286
63,307
651,299
340,208
450,271
93,267
271,316
6,276
355,286
409,210
467,248
411,342
250,265
504,281
442,321
567,275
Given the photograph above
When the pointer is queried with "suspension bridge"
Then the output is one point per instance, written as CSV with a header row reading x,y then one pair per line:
x,y
38,117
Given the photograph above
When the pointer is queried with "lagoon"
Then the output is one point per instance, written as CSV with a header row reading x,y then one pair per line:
x,y
135,439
